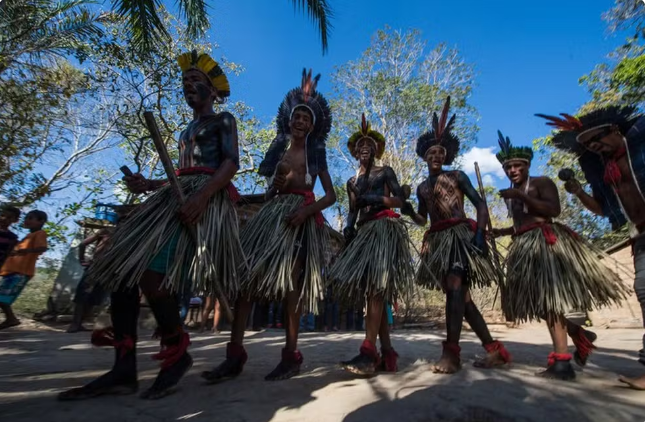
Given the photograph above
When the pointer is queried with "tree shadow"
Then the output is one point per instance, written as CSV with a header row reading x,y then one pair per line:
x,y
35,365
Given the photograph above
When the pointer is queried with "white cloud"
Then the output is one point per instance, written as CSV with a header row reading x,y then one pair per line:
x,y
486,159
488,180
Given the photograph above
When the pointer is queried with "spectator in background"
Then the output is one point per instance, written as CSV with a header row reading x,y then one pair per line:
x,y
20,266
8,239
87,297
275,315
211,303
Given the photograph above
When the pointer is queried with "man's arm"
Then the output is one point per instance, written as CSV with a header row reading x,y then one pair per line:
x,y
573,186
330,195
421,216
395,201
547,205
468,189
87,241
349,229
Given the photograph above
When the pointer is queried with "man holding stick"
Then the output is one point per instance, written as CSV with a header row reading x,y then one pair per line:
x,y
454,248
550,269
286,241
165,242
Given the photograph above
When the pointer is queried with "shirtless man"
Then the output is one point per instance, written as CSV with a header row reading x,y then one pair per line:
x,y
550,270
610,143
285,242
454,248
153,250
376,265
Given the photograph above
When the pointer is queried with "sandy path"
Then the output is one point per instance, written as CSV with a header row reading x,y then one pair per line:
x,y
36,362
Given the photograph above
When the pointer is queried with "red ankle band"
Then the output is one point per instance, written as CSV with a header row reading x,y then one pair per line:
x,y
235,351
452,348
369,349
390,358
292,356
169,355
497,346
553,357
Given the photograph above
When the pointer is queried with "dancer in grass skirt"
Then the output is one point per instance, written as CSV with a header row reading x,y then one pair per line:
x,y
376,266
153,250
286,242
454,251
610,146
550,269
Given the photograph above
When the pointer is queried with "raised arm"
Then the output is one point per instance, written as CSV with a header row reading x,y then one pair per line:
x,y
546,205
573,186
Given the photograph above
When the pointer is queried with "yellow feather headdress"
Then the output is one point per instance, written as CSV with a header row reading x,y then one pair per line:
x,y
209,67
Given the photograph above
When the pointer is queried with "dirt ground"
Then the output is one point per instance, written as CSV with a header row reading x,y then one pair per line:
x,y
37,361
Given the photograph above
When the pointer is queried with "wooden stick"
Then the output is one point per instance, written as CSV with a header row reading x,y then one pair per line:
x,y
482,192
174,183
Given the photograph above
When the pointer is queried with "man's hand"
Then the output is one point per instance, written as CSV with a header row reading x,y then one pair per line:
x,y
349,233
408,209
137,183
298,217
191,212
572,186
368,201
495,233
280,181
479,241
511,193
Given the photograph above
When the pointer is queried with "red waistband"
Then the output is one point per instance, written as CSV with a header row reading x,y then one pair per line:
x,y
187,171
452,222
310,198
387,213
547,231
231,190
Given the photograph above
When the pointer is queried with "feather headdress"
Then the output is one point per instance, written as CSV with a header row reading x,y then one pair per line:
x,y
307,97
365,131
209,67
441,134
508,152
571,129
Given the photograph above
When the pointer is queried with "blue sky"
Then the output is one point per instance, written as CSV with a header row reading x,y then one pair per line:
x,y
528,55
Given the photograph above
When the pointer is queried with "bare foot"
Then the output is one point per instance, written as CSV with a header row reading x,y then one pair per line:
x,y
492,360
448,364
634,383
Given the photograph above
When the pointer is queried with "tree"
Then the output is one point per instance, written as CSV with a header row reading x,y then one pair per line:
x,y
35,32
627,14
127,84
39,91
398,82
146,28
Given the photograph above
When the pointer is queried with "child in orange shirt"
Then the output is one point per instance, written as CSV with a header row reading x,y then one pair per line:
x,y
20,266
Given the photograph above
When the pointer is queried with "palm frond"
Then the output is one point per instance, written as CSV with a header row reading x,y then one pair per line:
x,y
196,16
320,12
146,28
